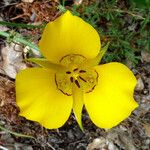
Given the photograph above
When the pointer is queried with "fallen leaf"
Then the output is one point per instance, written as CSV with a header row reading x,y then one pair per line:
x,y
12,59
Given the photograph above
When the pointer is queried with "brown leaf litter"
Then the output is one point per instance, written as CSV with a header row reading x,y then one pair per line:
x,y
38,11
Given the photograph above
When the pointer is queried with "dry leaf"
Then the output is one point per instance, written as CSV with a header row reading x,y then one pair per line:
x,y
12,59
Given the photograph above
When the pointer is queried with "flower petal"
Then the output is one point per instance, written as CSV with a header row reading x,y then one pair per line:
x,y
112,99
95,61
39,99
69,34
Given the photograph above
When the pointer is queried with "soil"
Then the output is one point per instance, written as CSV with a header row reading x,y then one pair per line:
x,y
133,133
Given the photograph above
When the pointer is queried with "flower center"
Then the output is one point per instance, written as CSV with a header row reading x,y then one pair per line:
x,y
77,74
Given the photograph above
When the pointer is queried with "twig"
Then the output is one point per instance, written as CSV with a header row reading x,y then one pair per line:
x,y
50,146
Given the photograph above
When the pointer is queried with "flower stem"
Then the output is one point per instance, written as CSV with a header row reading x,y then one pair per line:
x,y
18,39
16,134
20,25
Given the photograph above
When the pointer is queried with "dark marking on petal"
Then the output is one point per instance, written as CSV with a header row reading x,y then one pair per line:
x,y
60,89
82,79
91,89
71,79
77,83
97,75
68,72
82,71
75,69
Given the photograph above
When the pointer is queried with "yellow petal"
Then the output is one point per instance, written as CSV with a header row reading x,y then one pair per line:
x,y
39,99
112,99
69,34
95,61
78,104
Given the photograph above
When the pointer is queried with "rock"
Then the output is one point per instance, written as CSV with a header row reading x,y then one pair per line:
x,y
140,84
145,56
101,144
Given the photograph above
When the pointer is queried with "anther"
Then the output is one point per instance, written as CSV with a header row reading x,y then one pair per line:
x,y
82,71
71,79
68,72
82,79
77,83
75,69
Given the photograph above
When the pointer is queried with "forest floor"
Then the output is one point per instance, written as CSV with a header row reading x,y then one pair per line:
x,y
133,133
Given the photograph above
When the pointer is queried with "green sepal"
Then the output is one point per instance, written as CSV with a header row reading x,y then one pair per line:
x,y
46,64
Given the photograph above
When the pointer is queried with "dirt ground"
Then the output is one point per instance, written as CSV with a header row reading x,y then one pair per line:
x,y
131,134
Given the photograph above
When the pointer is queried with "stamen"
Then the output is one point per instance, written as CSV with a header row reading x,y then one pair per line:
x,y
82,79
82,71
68,72
77,83
75,69
71,79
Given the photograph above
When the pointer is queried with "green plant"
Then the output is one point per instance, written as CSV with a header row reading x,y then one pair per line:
x,y
123,24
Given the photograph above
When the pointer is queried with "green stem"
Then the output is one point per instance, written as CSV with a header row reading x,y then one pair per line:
x,y
16,134
19,40
63,3
20,25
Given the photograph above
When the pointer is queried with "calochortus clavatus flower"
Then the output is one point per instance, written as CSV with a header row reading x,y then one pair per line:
x,y
71,77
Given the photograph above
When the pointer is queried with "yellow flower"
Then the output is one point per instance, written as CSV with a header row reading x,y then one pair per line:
x,y
70,77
